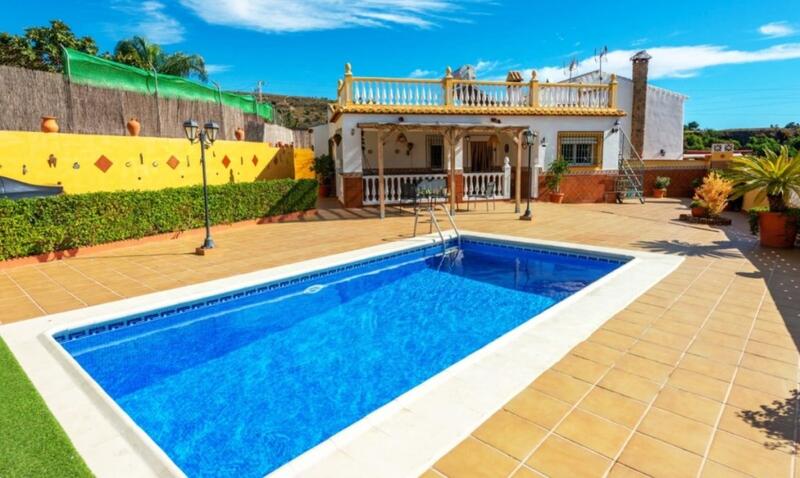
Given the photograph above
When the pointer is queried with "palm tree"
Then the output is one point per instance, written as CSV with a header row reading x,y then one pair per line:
x,y
776,175
139,52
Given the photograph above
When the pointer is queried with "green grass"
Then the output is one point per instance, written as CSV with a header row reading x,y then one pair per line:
x,y
32,443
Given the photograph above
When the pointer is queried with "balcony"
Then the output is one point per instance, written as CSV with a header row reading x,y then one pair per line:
x,y
458,96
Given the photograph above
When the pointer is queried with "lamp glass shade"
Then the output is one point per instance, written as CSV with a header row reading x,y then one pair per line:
x,y
190,129
212,129
529,137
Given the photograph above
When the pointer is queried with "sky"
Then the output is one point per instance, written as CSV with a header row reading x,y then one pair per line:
x,y
737,61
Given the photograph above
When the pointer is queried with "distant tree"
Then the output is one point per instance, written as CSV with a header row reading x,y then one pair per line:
x,y
694,141
39,48
693,125
792,124
139,52
760,143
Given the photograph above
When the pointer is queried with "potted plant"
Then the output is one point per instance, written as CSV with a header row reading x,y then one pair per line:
x,y
660,186
712,196
776,176
324,168
699,208
555,174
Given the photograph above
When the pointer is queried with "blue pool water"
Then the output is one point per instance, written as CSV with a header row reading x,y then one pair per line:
x,y
239,385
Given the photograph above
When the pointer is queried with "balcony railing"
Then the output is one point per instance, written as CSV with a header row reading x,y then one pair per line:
x,y
461,94
475,185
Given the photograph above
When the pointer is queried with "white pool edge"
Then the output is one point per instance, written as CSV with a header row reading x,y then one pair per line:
x,y
111,443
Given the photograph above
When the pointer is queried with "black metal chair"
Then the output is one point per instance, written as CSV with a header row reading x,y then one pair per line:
x,y
488,194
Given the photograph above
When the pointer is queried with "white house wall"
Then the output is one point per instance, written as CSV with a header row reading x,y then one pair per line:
x,y
663,133
548,128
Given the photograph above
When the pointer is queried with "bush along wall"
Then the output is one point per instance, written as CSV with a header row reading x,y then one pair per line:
x,y
42,225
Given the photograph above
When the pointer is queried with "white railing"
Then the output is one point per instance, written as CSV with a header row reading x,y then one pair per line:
x,y
485,94
450,92
573,95
477,185
399,92
393,187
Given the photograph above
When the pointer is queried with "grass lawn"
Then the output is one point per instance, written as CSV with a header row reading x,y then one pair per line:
x,y
32,442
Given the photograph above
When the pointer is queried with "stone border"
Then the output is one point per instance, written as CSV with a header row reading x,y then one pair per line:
x,y
402,438
711,221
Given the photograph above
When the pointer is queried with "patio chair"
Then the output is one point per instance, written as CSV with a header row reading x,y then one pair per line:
x,y
487,195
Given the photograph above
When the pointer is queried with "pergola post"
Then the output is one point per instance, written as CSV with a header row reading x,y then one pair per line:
x,y
381,186
451,157
518,179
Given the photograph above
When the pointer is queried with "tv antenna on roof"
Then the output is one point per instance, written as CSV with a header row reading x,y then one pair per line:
x,y
600,57
573,65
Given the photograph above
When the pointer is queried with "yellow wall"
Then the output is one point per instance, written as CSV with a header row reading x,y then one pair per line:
x,y
303,160
138,162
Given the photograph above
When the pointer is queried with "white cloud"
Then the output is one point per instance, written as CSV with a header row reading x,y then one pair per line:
x,y
212,69
776,30
307,15
419,73
151,21
676,61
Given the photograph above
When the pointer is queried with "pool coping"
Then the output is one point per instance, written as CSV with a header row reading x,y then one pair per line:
x,y
418,426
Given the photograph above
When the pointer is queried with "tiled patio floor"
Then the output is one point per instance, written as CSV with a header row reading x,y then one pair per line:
x,y
697,377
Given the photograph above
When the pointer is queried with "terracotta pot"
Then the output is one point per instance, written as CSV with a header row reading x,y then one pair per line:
x,y
134,127
699,211
49,124
557,198
777,229
323,191
239,133
659,193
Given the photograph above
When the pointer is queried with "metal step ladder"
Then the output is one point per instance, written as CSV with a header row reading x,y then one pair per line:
x,y
630,176
431,210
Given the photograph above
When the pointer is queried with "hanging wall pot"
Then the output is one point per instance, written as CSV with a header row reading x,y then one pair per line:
x,y
239,133
49,124
134,127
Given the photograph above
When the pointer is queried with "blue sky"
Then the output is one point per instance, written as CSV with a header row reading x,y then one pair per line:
x,y
738,61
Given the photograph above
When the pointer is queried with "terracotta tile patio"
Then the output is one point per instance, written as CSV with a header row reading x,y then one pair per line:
x,y
697,377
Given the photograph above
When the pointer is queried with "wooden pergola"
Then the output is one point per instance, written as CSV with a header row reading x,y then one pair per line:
x,y
452,134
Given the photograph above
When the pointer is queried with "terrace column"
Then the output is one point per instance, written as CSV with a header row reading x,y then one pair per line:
x,y
381,186
518,179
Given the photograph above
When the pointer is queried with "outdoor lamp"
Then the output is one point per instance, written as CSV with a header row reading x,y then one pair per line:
x,y
529,139
205,137
212,129
615,128
190,128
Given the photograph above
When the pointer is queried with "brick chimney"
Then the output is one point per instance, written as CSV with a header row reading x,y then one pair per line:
x,y
639,110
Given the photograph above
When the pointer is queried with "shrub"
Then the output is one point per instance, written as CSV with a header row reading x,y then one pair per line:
x,y
714,193
555,174
775,175
662,182
697,203
41,225
324,168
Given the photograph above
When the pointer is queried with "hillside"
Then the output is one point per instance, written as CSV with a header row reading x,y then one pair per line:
x,y
298,112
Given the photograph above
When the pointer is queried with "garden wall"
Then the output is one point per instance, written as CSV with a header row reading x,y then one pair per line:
x,y
88,163
30,94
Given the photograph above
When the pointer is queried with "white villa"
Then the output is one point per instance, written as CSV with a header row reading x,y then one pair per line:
x,y
384,132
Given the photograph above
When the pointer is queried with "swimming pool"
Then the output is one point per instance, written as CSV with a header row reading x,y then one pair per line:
x,y
243,382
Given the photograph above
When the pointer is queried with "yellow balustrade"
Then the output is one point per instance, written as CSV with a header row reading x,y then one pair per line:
x,y
448,94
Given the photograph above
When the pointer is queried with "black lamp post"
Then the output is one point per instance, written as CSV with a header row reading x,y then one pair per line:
x,y
205,137
529,138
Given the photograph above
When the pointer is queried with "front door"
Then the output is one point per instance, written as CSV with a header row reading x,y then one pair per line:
x,y
480,156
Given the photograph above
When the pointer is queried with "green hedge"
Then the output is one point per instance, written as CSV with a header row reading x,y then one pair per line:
x,y
41,225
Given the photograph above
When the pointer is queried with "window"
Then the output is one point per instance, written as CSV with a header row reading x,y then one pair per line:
x,y
435,150
580,149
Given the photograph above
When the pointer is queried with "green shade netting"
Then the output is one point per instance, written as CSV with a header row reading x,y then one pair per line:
x,y
91,70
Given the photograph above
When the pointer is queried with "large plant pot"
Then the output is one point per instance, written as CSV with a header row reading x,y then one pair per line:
x,y
49,124
134,127
557,198
323,191
659,193
777,229
239,133
699,212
